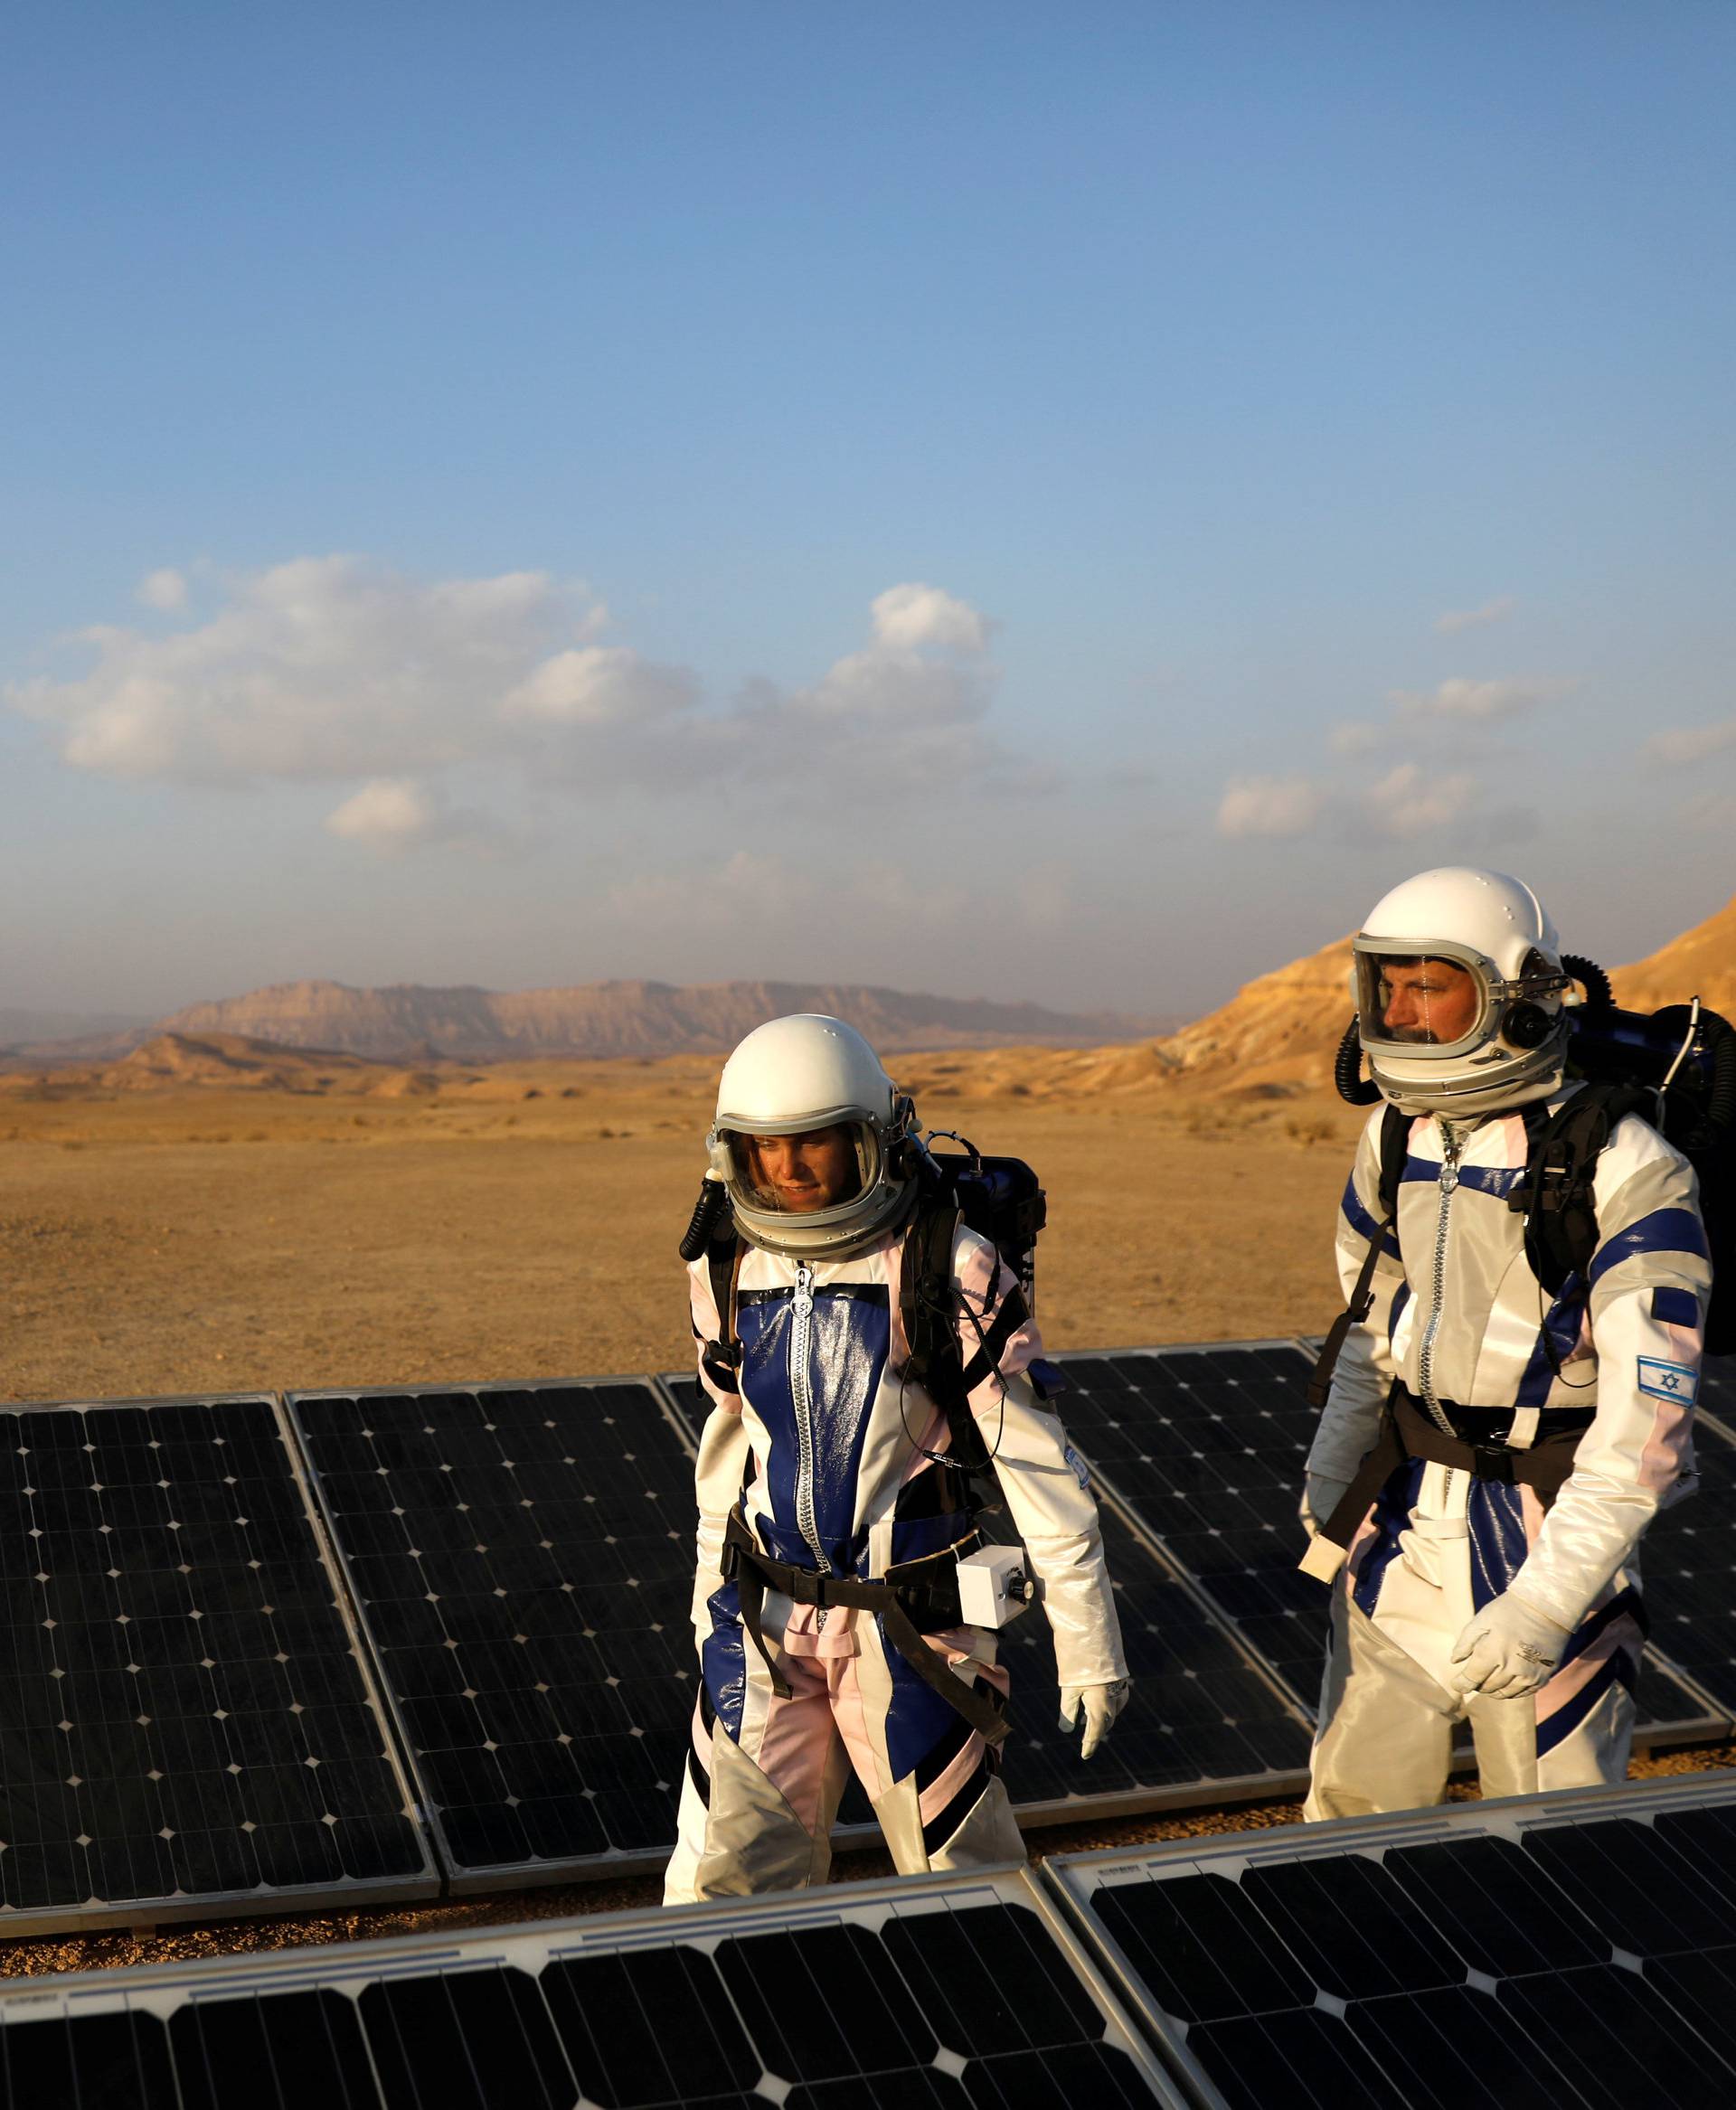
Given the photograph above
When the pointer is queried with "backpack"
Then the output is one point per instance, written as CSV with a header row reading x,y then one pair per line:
x,y
1676,1068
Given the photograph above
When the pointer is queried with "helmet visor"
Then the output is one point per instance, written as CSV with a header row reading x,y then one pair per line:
x,y
805,1173
1425,997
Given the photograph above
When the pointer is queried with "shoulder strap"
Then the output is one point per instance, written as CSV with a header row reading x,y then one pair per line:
x,y
928,1311
1395,1149
1557,1195
722,1357
1395,1146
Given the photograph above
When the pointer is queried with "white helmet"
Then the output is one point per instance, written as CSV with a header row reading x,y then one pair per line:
x,y
1458,985
803,1072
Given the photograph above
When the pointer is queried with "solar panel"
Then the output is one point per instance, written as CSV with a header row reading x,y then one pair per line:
x,y
188,1727
1687,1564
1207,1446
1559,1949
936,1992
521,1560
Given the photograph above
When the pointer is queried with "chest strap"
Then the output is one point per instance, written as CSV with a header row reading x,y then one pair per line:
x,y
924,1590
1406,1432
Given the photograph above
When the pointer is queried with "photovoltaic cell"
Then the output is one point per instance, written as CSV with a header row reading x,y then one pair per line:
x,y
187,1725
1568,1950
1687,1562
522,1561
934,1992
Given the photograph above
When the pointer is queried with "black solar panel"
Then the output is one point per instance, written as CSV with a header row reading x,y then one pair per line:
x,y
1567,1950
1202,1718
938,1993
1208,1448
522,1561
1687,1565
186,1724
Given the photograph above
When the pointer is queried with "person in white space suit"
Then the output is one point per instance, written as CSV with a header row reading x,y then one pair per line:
x,y
1491,1452
827,1466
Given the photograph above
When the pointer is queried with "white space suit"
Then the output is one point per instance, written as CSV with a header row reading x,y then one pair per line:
x,y
833,1454
1467,1593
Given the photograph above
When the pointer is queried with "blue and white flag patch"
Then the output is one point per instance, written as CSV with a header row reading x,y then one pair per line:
x,y
1081,1471
1668,1381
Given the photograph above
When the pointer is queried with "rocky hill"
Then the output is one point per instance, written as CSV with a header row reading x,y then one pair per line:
x,y
634,1018
1700,963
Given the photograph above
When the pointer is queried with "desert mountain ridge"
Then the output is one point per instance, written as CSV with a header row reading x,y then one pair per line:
x,y
641,1019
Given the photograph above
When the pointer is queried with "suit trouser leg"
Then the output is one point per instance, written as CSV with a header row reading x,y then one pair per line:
x,y
1385,1733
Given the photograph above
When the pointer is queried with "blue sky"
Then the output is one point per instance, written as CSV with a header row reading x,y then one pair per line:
x,y
972,495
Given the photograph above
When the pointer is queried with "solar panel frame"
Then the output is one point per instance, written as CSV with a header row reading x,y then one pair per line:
x,y
146,1912
463,1877
1703,1718
1078,1880
159,2001
1038,1812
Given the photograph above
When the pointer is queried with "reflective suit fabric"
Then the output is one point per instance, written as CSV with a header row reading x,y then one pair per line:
x,y
1439,1544
766,1773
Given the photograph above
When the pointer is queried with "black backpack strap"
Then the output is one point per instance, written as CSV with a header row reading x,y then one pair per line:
x,y
1395,1147
722,1357
1558,1196
927,1307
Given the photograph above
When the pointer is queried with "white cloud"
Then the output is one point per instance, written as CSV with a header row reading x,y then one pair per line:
x,y
320,669
1463,699
1691,743
390,814
1269,806
166,591
1458,619
1409,800
329,669
599,684
909,617
1356,736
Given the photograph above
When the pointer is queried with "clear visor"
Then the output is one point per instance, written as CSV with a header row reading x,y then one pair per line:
x,y
802,1175
1421,1000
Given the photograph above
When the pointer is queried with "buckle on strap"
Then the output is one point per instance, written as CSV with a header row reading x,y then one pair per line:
x,y
1492,1464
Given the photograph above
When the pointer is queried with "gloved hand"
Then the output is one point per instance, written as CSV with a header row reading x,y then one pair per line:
x,y
1101,1703
1320,1497
1507,1650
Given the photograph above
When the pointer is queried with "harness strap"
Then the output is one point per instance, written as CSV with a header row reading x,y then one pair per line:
x,y
1406,1432
722,1357
754,1572
1362,1302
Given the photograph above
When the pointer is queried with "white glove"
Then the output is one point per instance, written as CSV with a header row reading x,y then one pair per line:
x,y
1507,1650
1320,1497
1101,1703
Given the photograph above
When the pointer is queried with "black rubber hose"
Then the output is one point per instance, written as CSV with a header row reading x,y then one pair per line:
x,y
1353,1089
1721,1105
1600,992
713,1200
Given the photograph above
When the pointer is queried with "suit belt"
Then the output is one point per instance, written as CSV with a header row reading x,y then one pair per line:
x,y
924,1590
1408,1432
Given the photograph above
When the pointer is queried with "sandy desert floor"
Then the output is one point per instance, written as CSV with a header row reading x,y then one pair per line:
x,y
527,1225
524,1224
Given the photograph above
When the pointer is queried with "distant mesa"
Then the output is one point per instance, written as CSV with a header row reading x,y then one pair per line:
x,y
418,1026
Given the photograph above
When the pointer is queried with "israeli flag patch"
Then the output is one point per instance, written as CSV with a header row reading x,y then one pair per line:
x,y
1668,1381
1081,1471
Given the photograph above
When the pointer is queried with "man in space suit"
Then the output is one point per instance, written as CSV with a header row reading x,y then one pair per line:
x,y
824,1471
1490,1454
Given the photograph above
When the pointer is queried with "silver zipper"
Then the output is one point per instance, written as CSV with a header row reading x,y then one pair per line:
x,y
801,1343
1426,1353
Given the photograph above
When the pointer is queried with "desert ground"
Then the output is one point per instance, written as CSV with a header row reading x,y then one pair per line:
x,y
522,1222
